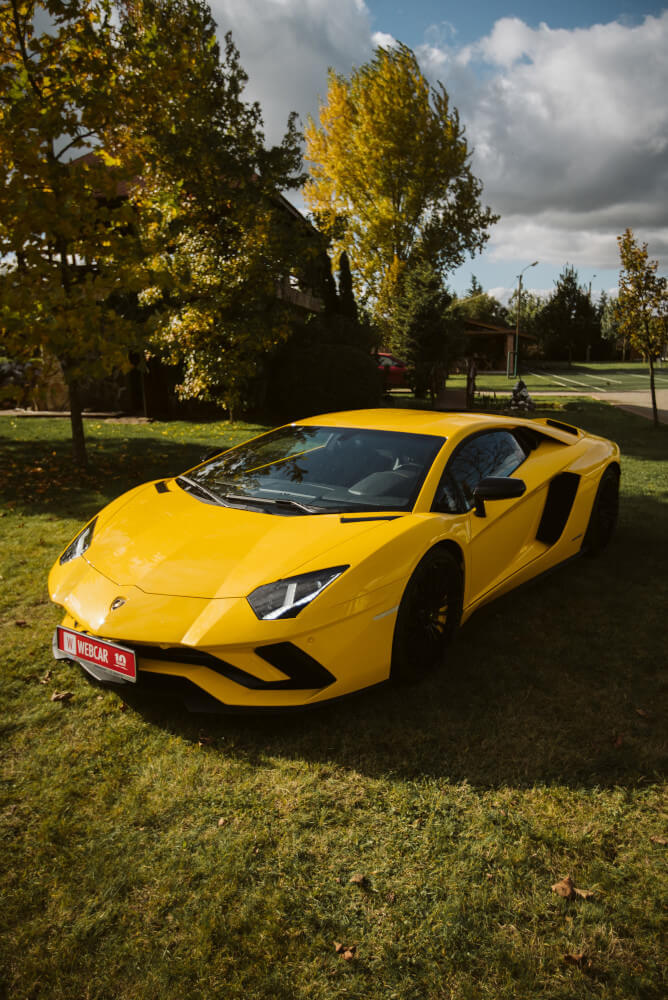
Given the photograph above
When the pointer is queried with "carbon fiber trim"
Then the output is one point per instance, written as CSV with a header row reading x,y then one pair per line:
x,y
558,505
302,670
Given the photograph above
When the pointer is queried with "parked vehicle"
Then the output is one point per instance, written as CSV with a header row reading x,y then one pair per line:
x,y
328,555
394,371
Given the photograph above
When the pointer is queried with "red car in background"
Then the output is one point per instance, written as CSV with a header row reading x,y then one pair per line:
x,y
393,371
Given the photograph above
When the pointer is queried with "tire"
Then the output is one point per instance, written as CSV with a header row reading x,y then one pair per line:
x,y
428,616
603,517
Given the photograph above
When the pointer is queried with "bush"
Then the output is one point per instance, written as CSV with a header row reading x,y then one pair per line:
x,y
321,377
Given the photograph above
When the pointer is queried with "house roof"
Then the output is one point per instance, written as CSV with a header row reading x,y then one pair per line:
x,y
474,327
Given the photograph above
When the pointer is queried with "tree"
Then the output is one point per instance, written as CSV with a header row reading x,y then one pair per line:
x,y
390,178
606,310
568,324
428,330
642,305
226,248
326,364
347,303
68,236
482,306
532,306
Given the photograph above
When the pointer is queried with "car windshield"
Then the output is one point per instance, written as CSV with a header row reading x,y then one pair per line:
x,y
319,470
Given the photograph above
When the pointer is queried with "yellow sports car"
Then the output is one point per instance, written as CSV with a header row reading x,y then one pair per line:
x,y
328,555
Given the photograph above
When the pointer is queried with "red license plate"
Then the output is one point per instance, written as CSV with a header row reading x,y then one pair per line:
x,y
97,652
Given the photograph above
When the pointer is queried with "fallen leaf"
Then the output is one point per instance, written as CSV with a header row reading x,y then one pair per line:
x,y
222,821
346,951
21,623
578,958
659,840
642,713
46,678
358,879
567,890
204,741
61,696
619,740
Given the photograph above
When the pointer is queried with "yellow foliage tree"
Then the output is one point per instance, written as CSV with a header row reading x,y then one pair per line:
x,y
65,233
641,310
390,177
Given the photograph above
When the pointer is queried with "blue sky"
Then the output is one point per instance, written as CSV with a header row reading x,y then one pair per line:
x,y
408,21
564,105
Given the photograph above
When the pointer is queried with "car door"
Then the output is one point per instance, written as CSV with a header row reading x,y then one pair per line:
x,y
504,540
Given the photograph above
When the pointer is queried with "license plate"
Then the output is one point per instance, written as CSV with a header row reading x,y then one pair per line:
x,y
91,651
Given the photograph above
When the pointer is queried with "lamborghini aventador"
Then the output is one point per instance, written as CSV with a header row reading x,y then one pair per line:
x,y
328,555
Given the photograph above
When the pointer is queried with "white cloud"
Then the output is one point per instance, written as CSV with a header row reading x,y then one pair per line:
x,y
382,40
570,130
569,127
287,46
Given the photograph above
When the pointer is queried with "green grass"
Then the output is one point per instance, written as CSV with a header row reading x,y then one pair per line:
x,y
153,854
595,377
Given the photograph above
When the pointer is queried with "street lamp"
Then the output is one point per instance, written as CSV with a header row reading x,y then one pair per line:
x,y
519,310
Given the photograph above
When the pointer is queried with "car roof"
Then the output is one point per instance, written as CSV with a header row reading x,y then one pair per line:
x,y
436,422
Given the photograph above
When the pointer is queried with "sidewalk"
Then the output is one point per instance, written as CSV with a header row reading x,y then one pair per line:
x,y
639,403
636,402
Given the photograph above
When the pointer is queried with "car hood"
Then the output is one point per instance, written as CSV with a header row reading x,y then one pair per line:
x,y
172,544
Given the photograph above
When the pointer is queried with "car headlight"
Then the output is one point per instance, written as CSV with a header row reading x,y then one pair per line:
x,y
78,546
286,598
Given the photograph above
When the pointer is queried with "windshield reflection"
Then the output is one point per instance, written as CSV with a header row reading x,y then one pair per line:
x,y
308,469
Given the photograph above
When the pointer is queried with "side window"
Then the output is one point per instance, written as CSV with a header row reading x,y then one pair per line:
x,y
494,453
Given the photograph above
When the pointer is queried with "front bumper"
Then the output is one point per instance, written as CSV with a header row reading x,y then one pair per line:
x,y
219,649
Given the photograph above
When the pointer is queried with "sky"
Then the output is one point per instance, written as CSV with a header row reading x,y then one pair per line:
x,y
565,108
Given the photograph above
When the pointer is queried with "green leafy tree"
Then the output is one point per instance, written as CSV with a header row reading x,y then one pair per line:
x,y
567,325
429,328
390,179
607,314
347,304
227,252
483,307
642,305
69,239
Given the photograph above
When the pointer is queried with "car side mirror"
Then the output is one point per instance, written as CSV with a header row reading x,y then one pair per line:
x,y
496,488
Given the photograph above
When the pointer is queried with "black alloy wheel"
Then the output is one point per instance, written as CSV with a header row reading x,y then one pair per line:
x,y
604,513
428,616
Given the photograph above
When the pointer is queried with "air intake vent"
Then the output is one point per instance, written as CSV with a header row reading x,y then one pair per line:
x,y
562,427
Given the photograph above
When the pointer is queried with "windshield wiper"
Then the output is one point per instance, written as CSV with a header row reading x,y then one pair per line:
x,y
202,489
281,502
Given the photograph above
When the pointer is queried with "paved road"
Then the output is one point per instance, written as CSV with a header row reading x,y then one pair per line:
x,y
637,402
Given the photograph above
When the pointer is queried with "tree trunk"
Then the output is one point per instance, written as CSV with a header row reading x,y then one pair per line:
x,y
78,439
655,412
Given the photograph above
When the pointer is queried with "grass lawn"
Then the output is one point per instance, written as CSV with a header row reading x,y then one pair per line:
x,y
155,854
613,376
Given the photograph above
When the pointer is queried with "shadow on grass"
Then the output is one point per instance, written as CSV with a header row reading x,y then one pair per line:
x,y
38,477
560,681
635,435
